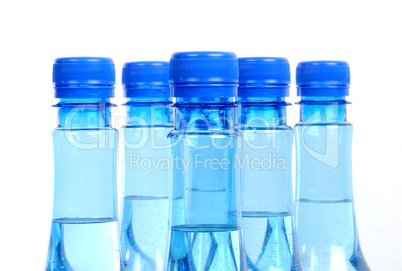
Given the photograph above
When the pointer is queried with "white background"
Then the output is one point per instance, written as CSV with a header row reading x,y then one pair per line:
x,y
367,34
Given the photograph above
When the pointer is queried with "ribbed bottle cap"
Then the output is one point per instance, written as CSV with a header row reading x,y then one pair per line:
x,y
323,78
204,74
84,77
146,79
264,77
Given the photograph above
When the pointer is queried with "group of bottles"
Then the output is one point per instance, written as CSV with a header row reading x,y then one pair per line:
x,y
208,167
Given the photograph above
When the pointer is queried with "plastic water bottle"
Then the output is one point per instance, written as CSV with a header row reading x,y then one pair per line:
x,y
84,227
325,216
268,221
146,170
205,207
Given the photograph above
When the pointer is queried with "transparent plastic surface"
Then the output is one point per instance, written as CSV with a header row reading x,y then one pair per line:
x,y
325,217
268,222
144,239
205,248
97,247
144,230
205,211
270,242
84,228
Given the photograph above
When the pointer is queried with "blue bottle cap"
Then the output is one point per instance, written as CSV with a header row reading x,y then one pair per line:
x,y
84,77
204,74
323,78
264,77
146,79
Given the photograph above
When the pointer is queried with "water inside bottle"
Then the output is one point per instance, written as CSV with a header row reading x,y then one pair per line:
x,y
327,234
269,241
209,247
89,244
145,232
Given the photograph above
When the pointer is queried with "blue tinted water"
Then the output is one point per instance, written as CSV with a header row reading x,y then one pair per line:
x,y
84,228
327,235
268,221
145,211
144,232
84,244
270,242
205,204
325,216
210,247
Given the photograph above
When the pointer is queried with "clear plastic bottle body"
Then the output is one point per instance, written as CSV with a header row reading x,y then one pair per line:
x,y
205,212
145,209
268,221
84,227
325,217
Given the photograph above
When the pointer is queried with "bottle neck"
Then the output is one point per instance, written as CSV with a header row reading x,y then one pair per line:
x,y
323,147
149,111
204,113
84,112
314,109
262,111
